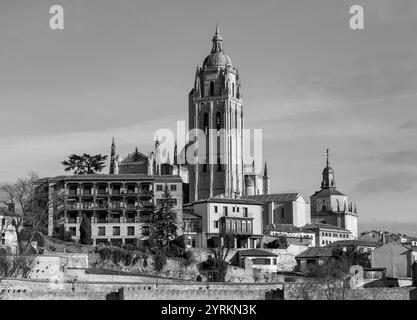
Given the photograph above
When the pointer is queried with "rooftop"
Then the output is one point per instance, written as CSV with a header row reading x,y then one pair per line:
x,y
327,192
276,197
256,253
111,177
344,243
316,252
283,228
228,201
325,226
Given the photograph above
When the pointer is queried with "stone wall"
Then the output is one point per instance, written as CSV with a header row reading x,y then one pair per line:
x,y
308,292
199,292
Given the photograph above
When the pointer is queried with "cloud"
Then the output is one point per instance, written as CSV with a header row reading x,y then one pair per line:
x,y
408,126
392,182
407,157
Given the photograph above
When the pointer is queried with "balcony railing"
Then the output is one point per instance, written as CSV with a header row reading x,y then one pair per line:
x,y
236,226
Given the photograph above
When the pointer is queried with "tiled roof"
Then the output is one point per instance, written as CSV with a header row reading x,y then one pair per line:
x,y
229,201
316,252
256,253
111,177
283,228
324,226
328,192
343,243
277,197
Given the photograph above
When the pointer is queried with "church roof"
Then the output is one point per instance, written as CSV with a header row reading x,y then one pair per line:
x,y
327,192
218,199
277,197
112,177
135,157
325,226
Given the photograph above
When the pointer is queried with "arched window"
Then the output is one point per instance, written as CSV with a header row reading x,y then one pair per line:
x,y
323,208
205,128
212,88
233,90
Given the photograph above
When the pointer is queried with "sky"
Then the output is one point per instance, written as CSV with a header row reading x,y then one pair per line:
x,y
125,68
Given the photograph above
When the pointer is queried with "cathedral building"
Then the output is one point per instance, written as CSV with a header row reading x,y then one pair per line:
x,y
215,103
328,205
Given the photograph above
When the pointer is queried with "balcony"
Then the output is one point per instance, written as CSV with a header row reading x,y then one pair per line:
x,y
88,193
146,193
238,226
71,206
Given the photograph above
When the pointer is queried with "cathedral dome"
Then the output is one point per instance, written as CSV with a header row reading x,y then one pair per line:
x,y
217,57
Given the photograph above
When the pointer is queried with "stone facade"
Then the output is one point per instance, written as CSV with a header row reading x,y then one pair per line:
x,y
120,207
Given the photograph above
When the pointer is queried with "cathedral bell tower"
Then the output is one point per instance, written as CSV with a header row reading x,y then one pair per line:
x,y
215,103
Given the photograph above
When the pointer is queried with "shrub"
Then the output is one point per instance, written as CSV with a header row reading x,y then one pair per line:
x,y
160,261
189,258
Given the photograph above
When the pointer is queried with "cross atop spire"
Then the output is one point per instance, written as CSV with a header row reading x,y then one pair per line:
x,y
217,41
327,157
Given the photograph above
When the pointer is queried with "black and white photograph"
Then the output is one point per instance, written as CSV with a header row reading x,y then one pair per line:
x,y
222,152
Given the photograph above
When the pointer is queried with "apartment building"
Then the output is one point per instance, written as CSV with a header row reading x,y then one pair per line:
x,y
236,223
120,207
326,233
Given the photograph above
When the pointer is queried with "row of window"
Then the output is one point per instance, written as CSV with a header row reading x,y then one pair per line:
x,y
234,209
335,235
161,187
160,201
264,261
115,231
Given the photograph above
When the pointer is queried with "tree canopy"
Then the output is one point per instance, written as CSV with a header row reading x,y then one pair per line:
x,y
165,224
85,163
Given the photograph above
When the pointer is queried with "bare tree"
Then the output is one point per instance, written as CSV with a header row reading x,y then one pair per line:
x,y
31,201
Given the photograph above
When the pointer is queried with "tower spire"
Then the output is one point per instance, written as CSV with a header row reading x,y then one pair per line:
x,y
327,157
266,170
112,158
217,41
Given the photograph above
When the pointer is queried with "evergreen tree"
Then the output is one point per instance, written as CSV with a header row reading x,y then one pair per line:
x,y
165,224
85,164
85,230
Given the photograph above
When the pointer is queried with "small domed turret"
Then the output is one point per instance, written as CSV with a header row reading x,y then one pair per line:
x,y
217,57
